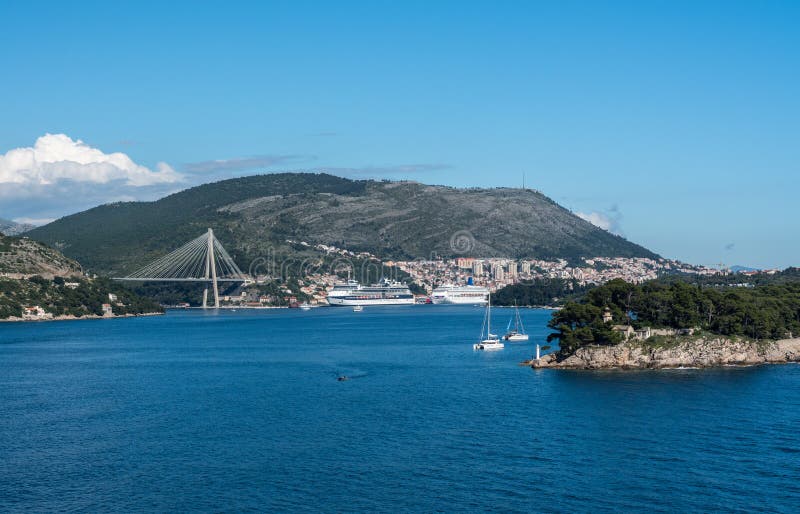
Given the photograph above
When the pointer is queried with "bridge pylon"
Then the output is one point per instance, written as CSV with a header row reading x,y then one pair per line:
x,y
201,260
211,266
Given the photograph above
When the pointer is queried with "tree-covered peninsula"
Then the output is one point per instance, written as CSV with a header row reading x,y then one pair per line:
x,y
71,297
39,282
619,311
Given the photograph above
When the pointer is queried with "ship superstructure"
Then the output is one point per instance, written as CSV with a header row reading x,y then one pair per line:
x,y
383,293
460,295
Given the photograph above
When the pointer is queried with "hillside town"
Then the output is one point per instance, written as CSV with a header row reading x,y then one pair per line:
x,y
498,273
493,273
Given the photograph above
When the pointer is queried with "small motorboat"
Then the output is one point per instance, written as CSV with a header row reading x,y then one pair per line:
x,y
358,308
305,307
342,378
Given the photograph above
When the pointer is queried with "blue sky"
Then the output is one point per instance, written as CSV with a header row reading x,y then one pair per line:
x,y
675,123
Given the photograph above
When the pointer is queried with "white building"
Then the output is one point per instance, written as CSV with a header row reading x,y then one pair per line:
x,y
497,271
512,269
35,313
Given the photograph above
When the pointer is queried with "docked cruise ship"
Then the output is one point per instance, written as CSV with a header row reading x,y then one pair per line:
x,y
460,295
383,293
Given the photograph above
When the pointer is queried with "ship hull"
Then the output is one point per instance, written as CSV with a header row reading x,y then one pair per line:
x,y
516,338
489,344
351,302
458,300
384,293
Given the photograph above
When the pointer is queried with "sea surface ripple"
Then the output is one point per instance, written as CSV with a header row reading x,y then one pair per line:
x,y
242,410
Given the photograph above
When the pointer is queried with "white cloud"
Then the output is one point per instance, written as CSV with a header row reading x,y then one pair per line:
x,y
598,219
56,158
609,219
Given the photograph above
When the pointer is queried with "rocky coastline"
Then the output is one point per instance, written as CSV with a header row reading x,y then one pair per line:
x,y
698,352
16,319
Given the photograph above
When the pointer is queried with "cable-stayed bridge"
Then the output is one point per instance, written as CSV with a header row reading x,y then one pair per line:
x,y
200,260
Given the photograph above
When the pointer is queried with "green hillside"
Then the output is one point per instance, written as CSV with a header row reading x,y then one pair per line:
x,y
84,297
255,216
34,274
23,256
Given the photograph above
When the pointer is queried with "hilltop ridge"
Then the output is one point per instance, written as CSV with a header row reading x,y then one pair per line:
x,y
23,256
393,220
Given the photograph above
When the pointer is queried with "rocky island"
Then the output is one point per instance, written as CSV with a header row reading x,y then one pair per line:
x,y
695,352
678,324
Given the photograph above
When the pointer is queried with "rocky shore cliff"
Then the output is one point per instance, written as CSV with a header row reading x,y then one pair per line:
x,y
700,352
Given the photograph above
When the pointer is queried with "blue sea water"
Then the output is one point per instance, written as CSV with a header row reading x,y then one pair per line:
x,y
235,411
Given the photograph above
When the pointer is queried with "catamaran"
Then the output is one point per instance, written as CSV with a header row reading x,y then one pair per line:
x,y
491,342
518,334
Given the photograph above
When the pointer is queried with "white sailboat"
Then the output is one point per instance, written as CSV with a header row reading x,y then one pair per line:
x,y
491,342
518,334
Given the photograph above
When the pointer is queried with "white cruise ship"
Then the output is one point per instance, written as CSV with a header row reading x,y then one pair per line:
x,y
383,293
460,295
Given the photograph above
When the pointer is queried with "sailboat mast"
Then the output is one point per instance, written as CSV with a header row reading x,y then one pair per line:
x,y
517,321
489,317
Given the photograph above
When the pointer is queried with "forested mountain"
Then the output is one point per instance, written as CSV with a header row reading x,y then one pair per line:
x,y
254,216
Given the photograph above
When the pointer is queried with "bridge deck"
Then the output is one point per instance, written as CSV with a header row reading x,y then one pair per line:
x,y
155,279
